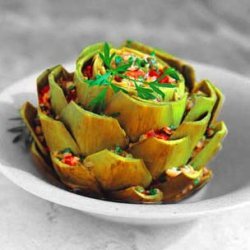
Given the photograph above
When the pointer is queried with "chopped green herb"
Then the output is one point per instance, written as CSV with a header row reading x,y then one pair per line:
x,y
100,80
66,150
118,150
196,182
152,53
152,191
118,60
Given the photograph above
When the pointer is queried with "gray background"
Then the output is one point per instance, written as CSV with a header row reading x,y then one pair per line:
x,y
37,34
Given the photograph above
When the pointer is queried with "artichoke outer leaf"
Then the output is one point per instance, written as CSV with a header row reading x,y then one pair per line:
x,y
211,148
28,113
43,166
57,96
133,195
185,69
78,178
43,78
194,130
56,135
159,155
218,105
138,116
115,172
180,187
91,131
202,104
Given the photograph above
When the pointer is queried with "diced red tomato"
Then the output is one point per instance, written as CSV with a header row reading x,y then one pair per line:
x,y
88,71
163,133
71,96
118,78
44,95
167,79
135,73
70,160
153,73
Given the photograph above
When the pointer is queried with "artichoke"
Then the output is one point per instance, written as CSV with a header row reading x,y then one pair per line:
x,y
130,124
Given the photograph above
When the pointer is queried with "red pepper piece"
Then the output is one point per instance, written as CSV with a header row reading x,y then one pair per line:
x,y
88,71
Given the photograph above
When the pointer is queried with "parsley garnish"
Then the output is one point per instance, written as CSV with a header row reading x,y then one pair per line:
x,y
105,56
170,72
98,103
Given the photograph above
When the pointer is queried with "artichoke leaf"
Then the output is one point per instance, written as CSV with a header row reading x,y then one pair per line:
x,y
185,69
137,116
159,154
211,148
218,105
177,188
56,135
43,78
194,130
57,96
44,166
137,194
78,177
91,131
115,172
28,113
202,104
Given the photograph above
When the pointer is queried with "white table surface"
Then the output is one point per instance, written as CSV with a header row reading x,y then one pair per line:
x,y
36,34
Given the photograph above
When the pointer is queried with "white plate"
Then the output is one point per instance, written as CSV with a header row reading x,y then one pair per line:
x,y
230,187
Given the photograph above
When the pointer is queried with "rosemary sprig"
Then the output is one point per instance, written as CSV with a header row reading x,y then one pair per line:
x,y
22,133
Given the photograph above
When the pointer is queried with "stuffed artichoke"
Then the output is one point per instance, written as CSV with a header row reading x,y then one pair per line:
x,y
130,124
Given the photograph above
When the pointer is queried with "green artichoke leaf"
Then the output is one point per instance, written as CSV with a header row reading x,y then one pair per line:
x,y
218,105
57,96
194,130
91,131
28,113
138,116
177,188
79,177
212,146
115,172
43,165
43,78
202,103
137,194
185,69
159,155
56,135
